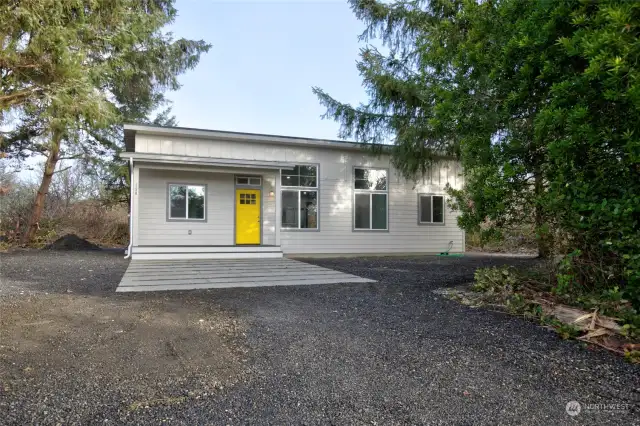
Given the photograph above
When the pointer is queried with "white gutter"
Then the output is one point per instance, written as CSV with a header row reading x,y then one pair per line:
x,y
128,255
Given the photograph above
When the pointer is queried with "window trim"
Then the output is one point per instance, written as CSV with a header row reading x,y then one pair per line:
x,y
316,165
248,184
444,205
301,188
299,191
186,219
370,192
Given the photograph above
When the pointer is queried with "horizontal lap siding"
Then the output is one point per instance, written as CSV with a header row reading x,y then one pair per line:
x,y
153,227
336,197
268,209
404,236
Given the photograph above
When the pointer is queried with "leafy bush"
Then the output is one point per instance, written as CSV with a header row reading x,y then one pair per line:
x,y
72,207
501,285
487,238
496,280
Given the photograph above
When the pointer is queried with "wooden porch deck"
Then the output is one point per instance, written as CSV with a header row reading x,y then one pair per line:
x,y
160,275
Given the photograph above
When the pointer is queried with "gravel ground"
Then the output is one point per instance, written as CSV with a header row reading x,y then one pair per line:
x,y
393,352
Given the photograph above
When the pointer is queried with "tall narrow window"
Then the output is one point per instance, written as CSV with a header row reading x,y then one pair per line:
x,y
187,202
430,209
300,197
371,199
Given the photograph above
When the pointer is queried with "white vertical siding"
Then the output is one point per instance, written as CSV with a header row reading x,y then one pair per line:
x,y
335,234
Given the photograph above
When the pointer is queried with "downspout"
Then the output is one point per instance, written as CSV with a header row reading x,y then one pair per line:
x,y
128,255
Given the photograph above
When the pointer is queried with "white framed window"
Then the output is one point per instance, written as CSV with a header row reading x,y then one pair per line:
x,y
186,202
300,197
430,209
299,209
371,199
302,176
248,180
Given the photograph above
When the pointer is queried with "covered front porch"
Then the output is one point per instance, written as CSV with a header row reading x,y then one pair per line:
x,y
185,207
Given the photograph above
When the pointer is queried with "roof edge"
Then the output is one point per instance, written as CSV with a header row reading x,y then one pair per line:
x,y
130,130
252,137
212,161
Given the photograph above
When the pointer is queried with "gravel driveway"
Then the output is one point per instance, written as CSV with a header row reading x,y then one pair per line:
x,y
393,352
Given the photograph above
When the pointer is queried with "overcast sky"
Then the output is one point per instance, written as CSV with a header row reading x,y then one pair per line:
x,y
265,58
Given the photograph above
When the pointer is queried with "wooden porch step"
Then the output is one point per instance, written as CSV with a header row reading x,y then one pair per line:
x,y
204,249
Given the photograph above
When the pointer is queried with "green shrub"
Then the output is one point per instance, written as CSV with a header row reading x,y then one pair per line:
x,y
501,285
496,280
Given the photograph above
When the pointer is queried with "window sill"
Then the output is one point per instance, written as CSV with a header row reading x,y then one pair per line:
x,y
430,224
188,220
299,229
369,230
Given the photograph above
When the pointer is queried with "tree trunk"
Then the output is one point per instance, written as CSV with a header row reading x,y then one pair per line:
x,y
38,205
544,238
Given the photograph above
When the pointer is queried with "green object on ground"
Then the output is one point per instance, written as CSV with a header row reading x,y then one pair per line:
x,y
446,253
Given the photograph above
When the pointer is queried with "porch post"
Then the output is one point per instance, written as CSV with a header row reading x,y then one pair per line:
x,y
135,183
278,206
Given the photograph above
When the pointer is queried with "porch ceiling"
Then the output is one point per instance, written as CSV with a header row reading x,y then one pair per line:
x,y
159,275
204,161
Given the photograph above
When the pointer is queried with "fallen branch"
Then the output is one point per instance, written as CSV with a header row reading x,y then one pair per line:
x,y
577,317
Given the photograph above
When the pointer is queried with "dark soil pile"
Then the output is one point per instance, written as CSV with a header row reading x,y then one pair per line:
x,y
71,242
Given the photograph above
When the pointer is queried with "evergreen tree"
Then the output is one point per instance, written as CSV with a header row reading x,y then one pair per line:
x,y
540,101
73,71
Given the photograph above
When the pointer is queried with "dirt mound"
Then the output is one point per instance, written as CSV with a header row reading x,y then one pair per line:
x,y
71,242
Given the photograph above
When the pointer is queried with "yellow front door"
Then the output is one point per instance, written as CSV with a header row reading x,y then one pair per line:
x,y
248,221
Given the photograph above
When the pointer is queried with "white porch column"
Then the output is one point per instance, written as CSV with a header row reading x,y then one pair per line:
x,y
135,191
278,206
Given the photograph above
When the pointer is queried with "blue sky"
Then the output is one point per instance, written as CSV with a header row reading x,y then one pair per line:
x,y
265,57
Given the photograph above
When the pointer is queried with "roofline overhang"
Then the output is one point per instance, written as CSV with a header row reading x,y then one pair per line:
x,y
204,161
132,129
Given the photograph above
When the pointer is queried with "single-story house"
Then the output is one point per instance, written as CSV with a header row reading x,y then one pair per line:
x,y
215,194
